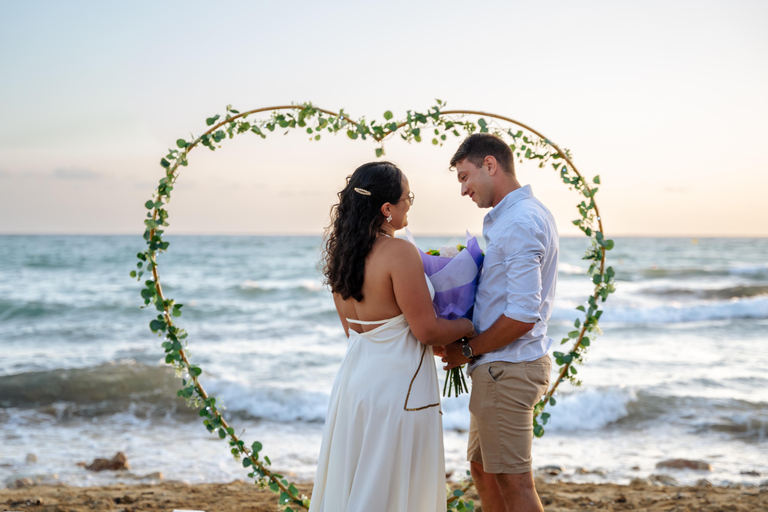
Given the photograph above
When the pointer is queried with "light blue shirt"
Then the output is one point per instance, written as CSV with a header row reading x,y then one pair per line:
x,y
519,274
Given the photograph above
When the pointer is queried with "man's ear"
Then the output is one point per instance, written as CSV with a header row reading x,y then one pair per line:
x,y
492,164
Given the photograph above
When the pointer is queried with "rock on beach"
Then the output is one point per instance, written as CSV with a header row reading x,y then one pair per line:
x,y
116,463
698,465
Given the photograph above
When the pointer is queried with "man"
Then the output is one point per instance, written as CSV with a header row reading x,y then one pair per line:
x,y
508,359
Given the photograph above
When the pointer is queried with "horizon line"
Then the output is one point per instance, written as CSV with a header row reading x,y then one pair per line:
x,y
314,234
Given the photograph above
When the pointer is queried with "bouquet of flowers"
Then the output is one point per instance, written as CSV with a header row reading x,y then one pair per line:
x,y
453,271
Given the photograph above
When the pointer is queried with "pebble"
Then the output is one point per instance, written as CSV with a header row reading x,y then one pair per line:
x,y
551,470
20,483
663,479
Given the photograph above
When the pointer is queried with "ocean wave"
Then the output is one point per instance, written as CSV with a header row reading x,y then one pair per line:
x,y
734,309
568,269
99,390
731,292
753,271
31,309
590,409
271,403
35,309
271,285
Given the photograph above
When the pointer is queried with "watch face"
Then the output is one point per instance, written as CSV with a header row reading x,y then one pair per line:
x,y
467,351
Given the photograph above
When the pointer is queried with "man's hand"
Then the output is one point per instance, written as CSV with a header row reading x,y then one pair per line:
x,y
453,356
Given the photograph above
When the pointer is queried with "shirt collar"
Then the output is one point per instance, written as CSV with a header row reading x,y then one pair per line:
x,y
510,199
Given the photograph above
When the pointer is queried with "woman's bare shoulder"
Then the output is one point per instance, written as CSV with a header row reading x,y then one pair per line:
x,y
400,252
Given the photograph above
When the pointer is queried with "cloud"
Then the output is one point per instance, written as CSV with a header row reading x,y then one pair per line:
x,y
71,174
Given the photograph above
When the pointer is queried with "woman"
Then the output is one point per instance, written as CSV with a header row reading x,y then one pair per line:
x,y
382,448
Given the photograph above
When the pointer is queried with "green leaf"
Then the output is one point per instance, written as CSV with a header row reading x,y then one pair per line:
x,y
256,447
573,334
247,462
211,120
222,434
133,273
165,163
596,180
552,400
156,325
388,115
379,152
538,431
597,279
181,143
195,371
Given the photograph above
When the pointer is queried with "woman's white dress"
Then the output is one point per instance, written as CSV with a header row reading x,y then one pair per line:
x,y
382,448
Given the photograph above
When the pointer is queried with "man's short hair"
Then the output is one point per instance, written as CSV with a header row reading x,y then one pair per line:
x,y
480,145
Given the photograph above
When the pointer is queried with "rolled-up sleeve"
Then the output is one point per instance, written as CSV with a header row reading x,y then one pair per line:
x,y
524,249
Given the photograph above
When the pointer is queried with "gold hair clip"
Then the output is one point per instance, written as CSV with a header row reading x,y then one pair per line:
x,y
362,191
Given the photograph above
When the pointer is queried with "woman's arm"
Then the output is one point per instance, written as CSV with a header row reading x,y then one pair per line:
x,y
338,302
412,296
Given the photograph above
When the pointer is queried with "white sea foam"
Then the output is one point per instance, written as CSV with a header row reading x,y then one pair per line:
x,y
671,313
590,409
271,403
285,284
676,313
567,268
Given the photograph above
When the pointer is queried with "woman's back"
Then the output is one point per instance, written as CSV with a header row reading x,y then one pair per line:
x,y
379,300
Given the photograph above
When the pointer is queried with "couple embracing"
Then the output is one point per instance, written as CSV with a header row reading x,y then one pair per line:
x,y
382,448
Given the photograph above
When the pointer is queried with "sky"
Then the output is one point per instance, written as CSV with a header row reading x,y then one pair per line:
x,y
665,101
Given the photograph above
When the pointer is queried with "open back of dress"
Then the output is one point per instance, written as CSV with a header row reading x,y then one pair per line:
x,y
382,448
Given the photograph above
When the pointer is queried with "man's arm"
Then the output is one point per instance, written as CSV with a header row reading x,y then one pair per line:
x,y
524,248
504,331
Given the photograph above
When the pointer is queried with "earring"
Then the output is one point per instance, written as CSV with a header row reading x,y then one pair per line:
x,y
389,219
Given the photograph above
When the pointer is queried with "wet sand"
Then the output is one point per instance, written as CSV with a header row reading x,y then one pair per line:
x,y
245,497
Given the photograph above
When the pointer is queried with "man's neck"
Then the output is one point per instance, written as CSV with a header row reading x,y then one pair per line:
x,y
504,187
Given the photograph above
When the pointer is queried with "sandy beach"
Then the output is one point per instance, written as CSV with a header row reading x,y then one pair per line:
x,y
244,497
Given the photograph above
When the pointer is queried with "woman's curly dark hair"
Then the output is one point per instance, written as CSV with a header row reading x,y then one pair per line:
x,y
355,223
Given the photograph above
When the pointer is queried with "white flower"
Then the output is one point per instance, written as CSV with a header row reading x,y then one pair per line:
x,y
449,251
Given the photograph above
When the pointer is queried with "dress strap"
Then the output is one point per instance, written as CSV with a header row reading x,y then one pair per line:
x,y
371,322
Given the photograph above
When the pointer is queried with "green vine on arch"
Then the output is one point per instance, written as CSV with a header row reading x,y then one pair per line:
x,y
436,125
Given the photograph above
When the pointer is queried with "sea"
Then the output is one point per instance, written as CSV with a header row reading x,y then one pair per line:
x,y
680,371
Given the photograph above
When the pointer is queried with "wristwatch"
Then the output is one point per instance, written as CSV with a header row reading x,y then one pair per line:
x,y
466,350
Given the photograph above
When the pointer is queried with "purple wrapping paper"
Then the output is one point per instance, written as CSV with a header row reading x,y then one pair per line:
x,y
454,279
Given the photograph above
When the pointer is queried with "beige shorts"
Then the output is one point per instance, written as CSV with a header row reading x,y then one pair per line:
x,y
501,413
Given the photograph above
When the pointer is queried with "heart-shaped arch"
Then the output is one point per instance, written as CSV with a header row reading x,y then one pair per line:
x,y
526,144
